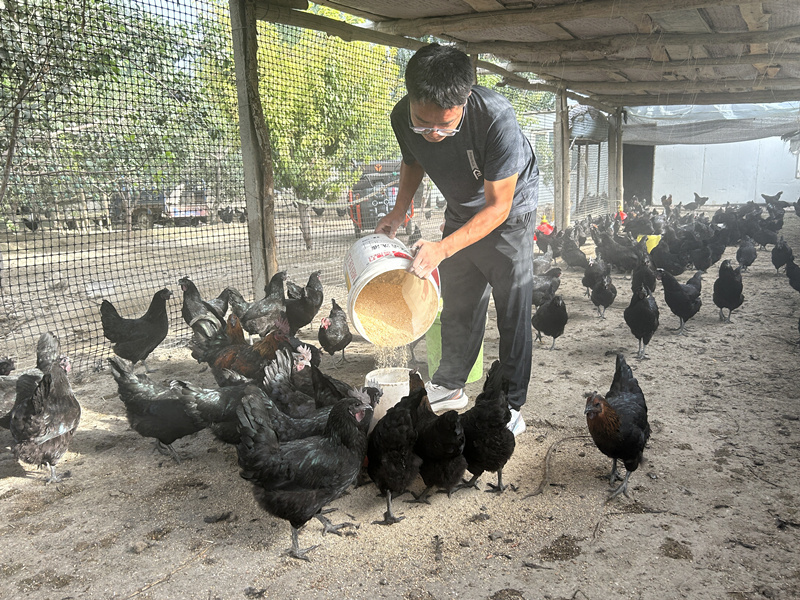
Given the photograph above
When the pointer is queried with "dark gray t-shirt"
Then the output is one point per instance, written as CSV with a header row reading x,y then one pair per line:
x,y
490,146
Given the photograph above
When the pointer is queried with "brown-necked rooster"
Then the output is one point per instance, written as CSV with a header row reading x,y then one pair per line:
x,y
231,358
618,423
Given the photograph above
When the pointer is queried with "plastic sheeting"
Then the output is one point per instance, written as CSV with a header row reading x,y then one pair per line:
x,y
709,124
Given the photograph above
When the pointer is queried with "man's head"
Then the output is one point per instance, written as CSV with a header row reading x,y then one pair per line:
x,y
441,75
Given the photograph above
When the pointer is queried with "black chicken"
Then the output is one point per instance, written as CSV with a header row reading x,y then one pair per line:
x,y
641,316
226,214
594,273
603,294
573,255
663,258
135,339
259,316
728,290
392,462
302,307
781,254
644,275
214,409
45,413
488,442
294,480
701,257
550,319
440,445
153,410
546,285
683,299
746,253
793,273
202,316
618,423
6,366
279,385
334,333
543,262
415,236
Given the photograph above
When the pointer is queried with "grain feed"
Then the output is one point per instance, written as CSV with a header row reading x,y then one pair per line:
x,y
384,312
396,308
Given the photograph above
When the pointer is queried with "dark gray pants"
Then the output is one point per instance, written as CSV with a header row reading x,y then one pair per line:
x,y
500,264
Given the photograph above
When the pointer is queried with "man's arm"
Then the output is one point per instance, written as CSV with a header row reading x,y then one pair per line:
x,y
499,197
410,178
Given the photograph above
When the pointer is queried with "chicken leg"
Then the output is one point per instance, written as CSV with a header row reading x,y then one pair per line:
x,y
622,489
388,517
168,450
500,487
295,551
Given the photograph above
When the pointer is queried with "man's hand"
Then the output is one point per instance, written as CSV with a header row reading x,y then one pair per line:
x,y
427,258
389,224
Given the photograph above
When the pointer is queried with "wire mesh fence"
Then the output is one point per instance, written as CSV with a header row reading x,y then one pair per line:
x,y
122,167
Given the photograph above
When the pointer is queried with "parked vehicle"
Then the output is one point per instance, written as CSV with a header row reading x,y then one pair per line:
x,y
375,194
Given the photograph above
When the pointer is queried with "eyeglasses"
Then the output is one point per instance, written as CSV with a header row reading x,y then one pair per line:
x,y
429,130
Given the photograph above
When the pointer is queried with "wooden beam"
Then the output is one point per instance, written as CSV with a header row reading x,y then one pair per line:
x,y
514,80
609,64
455,24
757,20
718,98
686,87
612,44
265,11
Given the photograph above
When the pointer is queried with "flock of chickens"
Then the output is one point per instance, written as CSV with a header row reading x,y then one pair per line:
x,y
304,437
686,241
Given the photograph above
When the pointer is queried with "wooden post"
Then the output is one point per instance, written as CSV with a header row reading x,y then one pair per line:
x,y
561,200
615,161
256,148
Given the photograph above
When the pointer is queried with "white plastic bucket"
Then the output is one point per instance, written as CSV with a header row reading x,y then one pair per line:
x,y
393,382
375,259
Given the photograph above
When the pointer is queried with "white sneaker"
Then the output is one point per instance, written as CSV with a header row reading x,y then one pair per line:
x,y
442,398
517,424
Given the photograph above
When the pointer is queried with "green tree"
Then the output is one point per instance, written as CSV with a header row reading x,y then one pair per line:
x,y
327,104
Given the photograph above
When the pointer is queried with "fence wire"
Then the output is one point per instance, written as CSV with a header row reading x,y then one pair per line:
x,y
122,167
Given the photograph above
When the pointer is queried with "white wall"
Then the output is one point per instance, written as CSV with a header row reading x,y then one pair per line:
x,y
735,173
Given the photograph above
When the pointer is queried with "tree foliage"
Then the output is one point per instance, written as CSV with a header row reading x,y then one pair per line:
x,y
327,105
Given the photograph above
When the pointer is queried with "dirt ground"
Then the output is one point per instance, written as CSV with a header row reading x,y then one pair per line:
x,y
712,514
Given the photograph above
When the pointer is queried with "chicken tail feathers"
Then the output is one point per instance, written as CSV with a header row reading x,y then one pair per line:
x,y
111,321
495,382
257,436
121,369
624,382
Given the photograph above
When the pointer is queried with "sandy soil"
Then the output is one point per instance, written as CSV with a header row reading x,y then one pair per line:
x,y
712,514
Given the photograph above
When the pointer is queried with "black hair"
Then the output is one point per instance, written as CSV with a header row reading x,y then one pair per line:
x,y
439,74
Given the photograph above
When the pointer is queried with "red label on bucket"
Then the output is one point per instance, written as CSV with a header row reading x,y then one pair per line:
x,y
394,253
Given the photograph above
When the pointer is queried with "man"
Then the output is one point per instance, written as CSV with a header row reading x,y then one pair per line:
x,y
467,139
